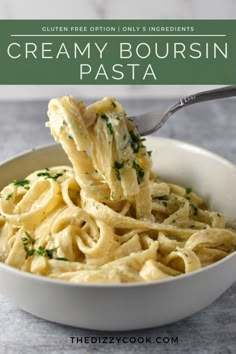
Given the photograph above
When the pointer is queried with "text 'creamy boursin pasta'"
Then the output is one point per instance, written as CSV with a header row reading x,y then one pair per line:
x,y
106,219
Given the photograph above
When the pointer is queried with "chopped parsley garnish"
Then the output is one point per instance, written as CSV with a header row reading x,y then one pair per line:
x,y
9,196
164,203
41,251
110,128
105,117
188,190
139,171
57,175
62,259
195,209
31,252
109,125
47,175
25,242
64,122
27,188
118,165
136,141
44,174
21,183
163,197
113,104
149,153
28,240
31,240
70,137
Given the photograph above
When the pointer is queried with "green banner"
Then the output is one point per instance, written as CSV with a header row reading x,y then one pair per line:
x,y
115,52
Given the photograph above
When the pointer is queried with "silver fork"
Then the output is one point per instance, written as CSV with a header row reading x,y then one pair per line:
x,y
148,123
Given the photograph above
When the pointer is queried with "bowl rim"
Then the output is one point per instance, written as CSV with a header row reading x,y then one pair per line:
x,y
187,146
45,279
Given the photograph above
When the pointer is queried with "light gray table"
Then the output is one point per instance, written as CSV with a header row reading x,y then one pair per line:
x,y
213,330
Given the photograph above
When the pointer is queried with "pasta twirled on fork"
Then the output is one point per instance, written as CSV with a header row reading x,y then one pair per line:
x,y
106,219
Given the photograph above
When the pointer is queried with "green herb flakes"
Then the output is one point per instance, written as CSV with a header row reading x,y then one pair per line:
x,y
28,241
47,175
109,125
40,251
43,252
136,141
62,259
50,252
195,209
105,117
118,165
31,240
188,190
163,197
139,171
31,252
21,183
9,196
110,128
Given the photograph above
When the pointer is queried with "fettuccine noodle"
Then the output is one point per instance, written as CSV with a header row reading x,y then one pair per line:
x,y
108,218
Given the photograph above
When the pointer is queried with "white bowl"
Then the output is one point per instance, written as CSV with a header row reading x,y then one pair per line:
x,y
140,305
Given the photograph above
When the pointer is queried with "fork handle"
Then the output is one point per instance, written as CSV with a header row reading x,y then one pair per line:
x,y
223,92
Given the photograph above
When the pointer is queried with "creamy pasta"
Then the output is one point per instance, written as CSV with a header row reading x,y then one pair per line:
x,y
108,218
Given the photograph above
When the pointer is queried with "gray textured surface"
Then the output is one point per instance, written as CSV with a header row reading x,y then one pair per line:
x,y
213,330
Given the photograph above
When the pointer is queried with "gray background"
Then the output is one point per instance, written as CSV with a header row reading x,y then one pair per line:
x,y
213,330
